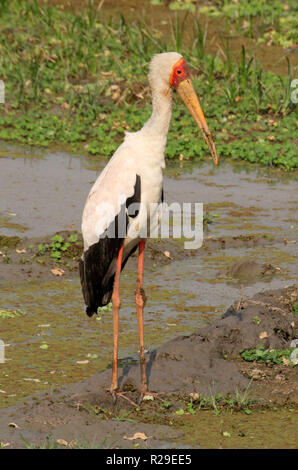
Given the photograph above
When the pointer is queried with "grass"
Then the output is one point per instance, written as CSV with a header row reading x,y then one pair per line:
x,y
4,313
273,22
58,246
273,356
238,401
75,79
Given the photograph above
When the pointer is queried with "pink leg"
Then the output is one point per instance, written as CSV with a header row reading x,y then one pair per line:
x,y
140,306
116,306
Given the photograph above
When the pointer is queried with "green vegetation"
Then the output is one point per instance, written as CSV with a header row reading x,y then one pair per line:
x,y
50,443
11,313
9,242
273,22
105,308
274,356
72,78
58,246
217,402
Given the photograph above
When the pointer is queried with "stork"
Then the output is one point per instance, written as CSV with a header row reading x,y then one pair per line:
x,y
133,176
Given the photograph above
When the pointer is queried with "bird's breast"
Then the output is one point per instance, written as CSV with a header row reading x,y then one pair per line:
x,y
148,217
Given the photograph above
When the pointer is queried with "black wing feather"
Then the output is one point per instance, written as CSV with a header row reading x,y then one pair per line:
x,y
97,289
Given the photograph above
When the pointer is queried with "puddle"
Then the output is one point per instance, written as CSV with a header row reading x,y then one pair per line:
x,y
263,429
47,193
44,194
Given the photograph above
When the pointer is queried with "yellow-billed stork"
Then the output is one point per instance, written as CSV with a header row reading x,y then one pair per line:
x,y
134,175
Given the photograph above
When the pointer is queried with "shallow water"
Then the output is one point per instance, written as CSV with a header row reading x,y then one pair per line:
x,y
45,194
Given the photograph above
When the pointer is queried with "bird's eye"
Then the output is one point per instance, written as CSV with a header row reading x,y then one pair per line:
x,y
179,71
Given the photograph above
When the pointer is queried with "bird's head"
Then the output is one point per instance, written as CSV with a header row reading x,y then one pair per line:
x,y
171,69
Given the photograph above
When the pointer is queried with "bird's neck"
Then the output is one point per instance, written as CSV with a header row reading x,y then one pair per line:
x,y
159,122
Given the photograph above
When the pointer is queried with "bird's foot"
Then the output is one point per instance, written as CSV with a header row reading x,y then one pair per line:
x,y
116,394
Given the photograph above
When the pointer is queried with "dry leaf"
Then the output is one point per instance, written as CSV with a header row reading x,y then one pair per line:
x,y
194,395
21,251
13,425
257,373
57,271
72,444
115,92
285,361
148,397
62,442
4,444
263,335
167,254
65,105
137,435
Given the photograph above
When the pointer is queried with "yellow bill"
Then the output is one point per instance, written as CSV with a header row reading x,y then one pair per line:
x,y
191,101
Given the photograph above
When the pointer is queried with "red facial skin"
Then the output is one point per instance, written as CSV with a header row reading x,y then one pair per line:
x,y
179,73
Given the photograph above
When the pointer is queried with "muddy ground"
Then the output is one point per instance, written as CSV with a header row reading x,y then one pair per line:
x,y
201,364
61,359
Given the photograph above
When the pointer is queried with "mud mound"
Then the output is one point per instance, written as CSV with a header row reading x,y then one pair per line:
x,y
205,362
249,270
267,318
200,362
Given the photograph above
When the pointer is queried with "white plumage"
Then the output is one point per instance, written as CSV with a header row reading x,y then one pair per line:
x,y
134,175
141,153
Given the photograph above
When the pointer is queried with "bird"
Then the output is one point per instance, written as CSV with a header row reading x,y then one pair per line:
x,y
116,213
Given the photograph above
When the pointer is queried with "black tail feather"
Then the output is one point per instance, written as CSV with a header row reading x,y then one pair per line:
x,y
93,268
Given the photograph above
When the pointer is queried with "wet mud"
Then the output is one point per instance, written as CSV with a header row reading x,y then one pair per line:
x,y
248,257
203,363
